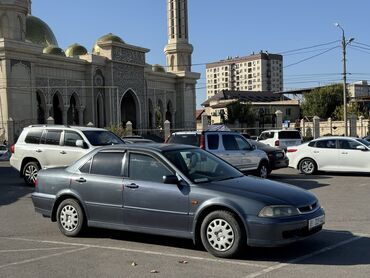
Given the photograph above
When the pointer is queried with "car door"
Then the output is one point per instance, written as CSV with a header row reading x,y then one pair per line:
x,y
232,152
326,154
148,202
99,184
49,149
249,157
69,152
351,158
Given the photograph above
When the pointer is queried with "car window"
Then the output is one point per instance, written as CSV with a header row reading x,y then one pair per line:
x,y
70,138
51,137
266,135
33,136
86,167
289,134
229,142
3,148
326,144
154,170
102,137
242,143
348,144
200,166
363,141
187,139
213,140
107,164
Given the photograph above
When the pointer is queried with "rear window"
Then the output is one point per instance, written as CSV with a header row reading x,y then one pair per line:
x,y
289,135
52,137
3,148
186,139
107,164
33,136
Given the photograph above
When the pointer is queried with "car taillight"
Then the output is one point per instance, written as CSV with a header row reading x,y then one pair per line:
x,y
292,150
202,142
12,148
36,182
277,143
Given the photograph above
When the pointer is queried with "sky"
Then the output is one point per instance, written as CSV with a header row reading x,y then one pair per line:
x,y
303,31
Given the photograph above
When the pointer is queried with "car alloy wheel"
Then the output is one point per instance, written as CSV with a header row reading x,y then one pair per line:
x,y
221,234
70,217
307,166
30,172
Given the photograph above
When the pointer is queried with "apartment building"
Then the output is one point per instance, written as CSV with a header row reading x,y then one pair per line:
x,y
256,72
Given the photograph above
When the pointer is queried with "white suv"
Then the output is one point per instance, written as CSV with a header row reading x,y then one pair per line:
x,y
281,138
47,146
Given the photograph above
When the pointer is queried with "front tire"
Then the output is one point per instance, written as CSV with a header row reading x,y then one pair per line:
x,y
70,218
221,234
307,166
263,170
30,171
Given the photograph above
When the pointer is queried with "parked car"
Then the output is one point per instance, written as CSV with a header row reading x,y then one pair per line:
x,y
138,141
47,146
276,156
334,154
4,152
282,138
367,138
230,146
183,192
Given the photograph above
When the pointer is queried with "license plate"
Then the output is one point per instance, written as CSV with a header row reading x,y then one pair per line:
x,y
312,223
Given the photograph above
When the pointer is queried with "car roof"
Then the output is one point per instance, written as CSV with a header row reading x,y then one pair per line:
x,y
67,127
150,147
335,137
278,130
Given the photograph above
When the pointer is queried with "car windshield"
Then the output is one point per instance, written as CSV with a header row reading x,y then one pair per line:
x,y
200,166
363,141
186,139
3,148
102,138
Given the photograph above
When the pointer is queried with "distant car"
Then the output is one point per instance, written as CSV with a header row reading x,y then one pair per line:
x,y
230,146
48,146
176,190
281,138
138,141
276,156
334,154
4,152
367,138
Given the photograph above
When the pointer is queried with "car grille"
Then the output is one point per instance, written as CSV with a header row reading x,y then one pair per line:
x,y
309,208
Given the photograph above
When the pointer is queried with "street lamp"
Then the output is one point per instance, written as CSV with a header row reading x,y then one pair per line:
x,y
344,46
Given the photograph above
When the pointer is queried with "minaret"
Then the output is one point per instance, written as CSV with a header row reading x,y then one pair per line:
x,y
178,50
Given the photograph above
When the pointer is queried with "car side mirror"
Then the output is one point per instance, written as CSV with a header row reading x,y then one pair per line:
x,y
170,179
81,144
362,148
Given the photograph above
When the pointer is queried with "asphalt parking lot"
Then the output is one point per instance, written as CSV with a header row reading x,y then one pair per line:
x,y
32,246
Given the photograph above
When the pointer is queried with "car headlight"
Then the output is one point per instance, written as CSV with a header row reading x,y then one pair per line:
x,y
278,211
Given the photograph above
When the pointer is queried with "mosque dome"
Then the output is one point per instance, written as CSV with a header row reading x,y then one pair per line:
x,y
106,38
54,50
38,32
75,50
158,68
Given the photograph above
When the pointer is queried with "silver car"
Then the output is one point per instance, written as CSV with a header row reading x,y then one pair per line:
x,y
183,191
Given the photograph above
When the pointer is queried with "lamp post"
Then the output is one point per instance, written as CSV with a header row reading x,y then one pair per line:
x,y
344,46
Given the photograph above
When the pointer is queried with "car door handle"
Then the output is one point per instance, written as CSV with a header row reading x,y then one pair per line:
x,y
80,180
316,152
344,153
38,151
63,152
132,185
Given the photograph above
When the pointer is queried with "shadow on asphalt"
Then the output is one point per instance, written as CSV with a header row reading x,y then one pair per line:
x,y
12,187
328,247
302,181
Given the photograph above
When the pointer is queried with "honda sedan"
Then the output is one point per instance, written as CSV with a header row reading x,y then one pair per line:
x,y
334,154
175,190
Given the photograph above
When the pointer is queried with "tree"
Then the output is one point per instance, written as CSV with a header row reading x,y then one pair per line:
x,y
243,112
322,102
352,108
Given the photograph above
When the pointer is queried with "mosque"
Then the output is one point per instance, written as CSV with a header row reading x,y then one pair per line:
x,y
109,86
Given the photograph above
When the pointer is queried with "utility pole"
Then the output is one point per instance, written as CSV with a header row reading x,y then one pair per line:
x,y
344,46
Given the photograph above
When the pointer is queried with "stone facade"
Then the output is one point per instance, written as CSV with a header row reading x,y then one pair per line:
x,y
110,86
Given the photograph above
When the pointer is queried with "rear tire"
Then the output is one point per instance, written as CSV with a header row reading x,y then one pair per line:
x,y
307,166
263,170
30,171
70,218
221,234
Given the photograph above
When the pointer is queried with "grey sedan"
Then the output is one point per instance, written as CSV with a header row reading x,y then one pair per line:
x,y
175,190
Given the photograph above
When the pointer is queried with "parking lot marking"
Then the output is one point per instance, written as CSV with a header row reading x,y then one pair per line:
x,y
43,257
302,258
34,249
224,261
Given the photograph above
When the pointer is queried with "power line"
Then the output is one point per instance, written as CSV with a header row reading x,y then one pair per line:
x,y
309,47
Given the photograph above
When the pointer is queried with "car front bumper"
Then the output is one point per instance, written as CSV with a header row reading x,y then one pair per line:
x,y
273,232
